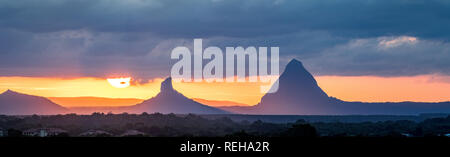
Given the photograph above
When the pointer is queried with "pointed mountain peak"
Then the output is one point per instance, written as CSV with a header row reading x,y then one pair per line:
x,y
166,85
9,91
294,64
295,69
298,93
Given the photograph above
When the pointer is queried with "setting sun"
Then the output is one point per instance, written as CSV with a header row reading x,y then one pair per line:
x,y
119,82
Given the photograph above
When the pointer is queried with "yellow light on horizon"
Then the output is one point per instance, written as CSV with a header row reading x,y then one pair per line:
x,y
424,88
122,82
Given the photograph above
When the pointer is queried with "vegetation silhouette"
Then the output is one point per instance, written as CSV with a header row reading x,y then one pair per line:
x,y
191,125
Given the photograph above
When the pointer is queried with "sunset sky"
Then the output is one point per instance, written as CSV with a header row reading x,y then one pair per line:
x,y
379,51
423,88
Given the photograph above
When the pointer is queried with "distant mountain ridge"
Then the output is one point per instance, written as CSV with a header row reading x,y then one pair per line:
x,y
14,103
71,102
218,103
99,102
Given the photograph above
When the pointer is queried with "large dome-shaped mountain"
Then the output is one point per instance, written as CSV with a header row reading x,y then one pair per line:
x,y
171,101
298,93
14,103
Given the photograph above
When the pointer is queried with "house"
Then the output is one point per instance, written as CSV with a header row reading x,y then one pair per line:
x,y
43,132
406,134
132,133
3,132
95,133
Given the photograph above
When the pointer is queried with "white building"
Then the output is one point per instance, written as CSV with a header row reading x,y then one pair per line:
x,y
43,132
3,132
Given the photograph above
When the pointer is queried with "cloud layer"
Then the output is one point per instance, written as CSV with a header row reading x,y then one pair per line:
x,y
101,38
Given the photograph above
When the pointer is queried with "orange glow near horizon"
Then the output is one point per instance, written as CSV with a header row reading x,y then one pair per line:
x,y
243,92
77,87
424,88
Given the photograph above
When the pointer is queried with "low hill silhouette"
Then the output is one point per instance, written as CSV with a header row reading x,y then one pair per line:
x,y
14,103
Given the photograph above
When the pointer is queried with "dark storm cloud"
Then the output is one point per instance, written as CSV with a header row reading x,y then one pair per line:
x,y
180,18
100,37
401,56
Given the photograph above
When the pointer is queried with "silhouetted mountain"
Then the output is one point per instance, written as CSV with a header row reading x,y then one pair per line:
x,y
171,101
14,103
299,94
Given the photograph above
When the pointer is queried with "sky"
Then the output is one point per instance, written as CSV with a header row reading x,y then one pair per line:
x,y
83,42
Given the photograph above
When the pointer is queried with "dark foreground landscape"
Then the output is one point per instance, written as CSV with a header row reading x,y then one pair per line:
x,y
191,125
166,133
